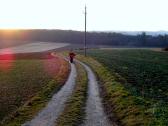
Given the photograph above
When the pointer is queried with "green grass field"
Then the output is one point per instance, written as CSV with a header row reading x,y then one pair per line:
x,y
25,78
143,74
146,71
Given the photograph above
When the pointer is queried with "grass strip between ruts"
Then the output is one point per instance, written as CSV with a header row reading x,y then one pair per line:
x,y
74,112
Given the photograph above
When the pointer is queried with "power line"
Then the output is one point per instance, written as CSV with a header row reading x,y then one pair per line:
x,y
85,30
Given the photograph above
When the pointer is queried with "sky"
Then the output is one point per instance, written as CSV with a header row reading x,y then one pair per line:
x,y
103,15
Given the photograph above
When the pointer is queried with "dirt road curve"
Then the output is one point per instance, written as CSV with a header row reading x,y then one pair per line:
x,y
54,108
95,115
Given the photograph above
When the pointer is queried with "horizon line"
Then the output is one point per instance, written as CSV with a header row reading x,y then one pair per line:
x,y
83,30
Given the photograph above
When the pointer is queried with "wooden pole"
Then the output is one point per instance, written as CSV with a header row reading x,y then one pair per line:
x,y
85,30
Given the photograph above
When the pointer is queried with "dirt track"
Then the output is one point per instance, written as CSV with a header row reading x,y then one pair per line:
x,y
95,115
54,108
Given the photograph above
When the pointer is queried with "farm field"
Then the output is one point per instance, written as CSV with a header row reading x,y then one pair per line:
x,y
145,70
33,47
26,76
130,88
143,73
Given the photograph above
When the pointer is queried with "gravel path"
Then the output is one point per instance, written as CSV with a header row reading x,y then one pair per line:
x,y
50,113
95,115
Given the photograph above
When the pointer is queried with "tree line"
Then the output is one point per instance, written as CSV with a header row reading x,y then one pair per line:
x,y
93,38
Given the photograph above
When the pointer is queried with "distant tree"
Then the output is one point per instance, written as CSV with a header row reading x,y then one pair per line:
x,y
144,39
163,40
166,39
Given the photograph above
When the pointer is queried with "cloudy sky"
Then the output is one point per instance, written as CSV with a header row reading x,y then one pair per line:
x,y
103,15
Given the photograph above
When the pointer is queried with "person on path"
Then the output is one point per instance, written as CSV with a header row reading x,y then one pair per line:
x,y
71,56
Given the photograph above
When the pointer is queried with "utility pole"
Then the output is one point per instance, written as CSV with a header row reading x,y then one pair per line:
x,y
85,30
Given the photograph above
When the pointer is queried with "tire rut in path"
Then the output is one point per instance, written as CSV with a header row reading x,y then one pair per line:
x,y
95,115
51,112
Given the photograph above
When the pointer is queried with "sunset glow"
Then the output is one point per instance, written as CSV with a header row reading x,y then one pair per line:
x,y
68,14
6,61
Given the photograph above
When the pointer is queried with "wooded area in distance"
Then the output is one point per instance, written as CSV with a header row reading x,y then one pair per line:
x,y
93,38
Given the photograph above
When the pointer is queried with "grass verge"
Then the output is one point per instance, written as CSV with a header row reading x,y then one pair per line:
x,y
120,105
38,101
73,113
